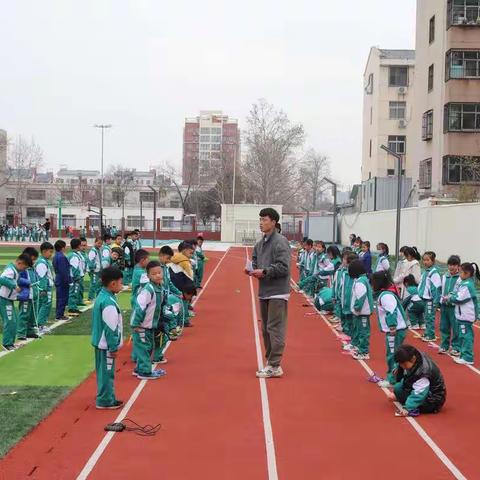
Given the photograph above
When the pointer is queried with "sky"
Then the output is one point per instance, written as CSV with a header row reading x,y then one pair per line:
x,y
145,65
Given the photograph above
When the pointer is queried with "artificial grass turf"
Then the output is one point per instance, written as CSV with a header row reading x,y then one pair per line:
x,y
51,361
26,407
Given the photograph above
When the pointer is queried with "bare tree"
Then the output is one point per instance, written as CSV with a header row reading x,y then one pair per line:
x,y
183,190
23,159
120,180
270,171
313,169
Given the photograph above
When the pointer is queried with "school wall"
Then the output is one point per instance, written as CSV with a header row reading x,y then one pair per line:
x,y
445,229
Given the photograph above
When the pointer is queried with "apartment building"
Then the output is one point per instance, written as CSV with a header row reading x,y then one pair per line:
x,y
446,108
211,142
389,81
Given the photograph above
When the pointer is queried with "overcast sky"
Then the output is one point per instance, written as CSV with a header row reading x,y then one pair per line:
x,y
145,65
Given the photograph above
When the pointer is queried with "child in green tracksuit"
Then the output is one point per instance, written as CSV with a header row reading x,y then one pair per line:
x,y
448,322
28,307
75,260
106,250
44,270
391,320
144,321
139,276
200,262
323,299
165,256
84,268
413,305
129,256
336,290
429,290
361,305
9,289
346,302
107,337
174,317
94,265
466,311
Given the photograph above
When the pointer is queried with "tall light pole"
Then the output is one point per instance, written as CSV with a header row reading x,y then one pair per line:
x,y
102,127
399,157
334,185
154,214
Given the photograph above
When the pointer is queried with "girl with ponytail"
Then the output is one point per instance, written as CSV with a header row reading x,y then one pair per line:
x,y
466,310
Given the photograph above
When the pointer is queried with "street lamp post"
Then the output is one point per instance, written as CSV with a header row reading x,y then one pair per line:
x,y
334,186
154,214
399,195
102,127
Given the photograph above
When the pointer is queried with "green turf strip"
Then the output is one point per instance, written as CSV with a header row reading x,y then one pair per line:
x,y
51,361
23,408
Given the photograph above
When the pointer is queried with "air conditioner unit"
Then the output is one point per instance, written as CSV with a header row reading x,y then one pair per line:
x,y
402,90
402,123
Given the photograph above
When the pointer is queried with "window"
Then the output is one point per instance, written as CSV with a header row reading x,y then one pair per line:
x,y
398,76
430,77
35,194
174,204
205,138
147,197
216,130
370,153
204,146
425,174
215,146
390,172
462,117
457,170
35,212
397,143
167,222
67,195
369,85
205,131
397,110
427,125
462,64
463,12
216,138
431,30
135,221
10,202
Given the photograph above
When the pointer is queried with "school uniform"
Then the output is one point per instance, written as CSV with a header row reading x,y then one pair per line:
x,y
107,337
105,253
323,299
414,306
391,314
28,306
63,279
168,285
429,290
466,313
361,305
81,289
146,313
94,267
44,271
366,259
300,266
346,301
448,321
8,312
76,275
383,264
139,280
200,266
336,291
129,256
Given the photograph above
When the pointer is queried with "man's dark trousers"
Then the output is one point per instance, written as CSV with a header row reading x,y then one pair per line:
x,y
274,325
62,300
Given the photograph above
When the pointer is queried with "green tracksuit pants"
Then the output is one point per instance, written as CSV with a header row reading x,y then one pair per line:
x,y
9,316
105,371
81,292
429,317
73,295
465,337
160,340
392,342
127,276
448,328
347,323
415,317
199,274
44,307
95,285
309,285
362,333
26,324
142,350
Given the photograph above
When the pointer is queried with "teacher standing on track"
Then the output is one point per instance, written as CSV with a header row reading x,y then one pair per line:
x,y
271,265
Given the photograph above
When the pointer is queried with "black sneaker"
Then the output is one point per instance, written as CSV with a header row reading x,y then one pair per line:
x,y
21,338
33,335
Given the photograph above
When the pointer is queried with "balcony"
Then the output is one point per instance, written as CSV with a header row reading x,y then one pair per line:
x,y
463,13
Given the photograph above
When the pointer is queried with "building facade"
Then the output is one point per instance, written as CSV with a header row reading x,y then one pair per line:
x,y
389,82
446,113
211,144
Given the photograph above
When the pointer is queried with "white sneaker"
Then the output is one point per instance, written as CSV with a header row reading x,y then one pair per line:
x,y
384,384
461,361
270,372
361,356
348,347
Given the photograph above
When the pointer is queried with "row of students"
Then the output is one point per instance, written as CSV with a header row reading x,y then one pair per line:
x,y
23,233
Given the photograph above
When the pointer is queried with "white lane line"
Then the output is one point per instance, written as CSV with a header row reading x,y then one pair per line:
x,y
434,345
92,461
417,427
267,424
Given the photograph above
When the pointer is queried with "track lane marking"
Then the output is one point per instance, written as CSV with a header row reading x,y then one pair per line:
x,y
95,457
267,424
416,426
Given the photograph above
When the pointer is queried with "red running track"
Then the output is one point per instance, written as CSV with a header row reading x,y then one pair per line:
x,y
328,422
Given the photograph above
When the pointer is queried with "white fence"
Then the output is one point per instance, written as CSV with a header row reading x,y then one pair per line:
x,y
445,229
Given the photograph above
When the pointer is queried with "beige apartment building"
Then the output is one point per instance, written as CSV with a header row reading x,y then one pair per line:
x,y
446,107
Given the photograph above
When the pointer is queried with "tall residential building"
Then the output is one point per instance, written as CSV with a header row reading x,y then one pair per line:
x,y
211,143
389,79
387,110
446,114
